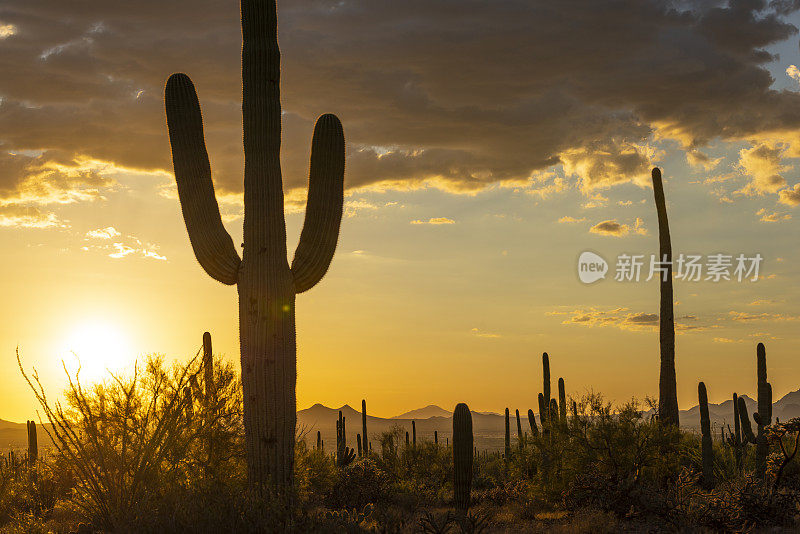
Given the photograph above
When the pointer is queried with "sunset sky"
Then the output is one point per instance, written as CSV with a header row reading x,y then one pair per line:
x,y
489,143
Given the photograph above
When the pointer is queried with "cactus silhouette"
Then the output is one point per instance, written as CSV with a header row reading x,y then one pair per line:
x,y
462,457
532,423
562,402
267,285
764,418
414,433
737,436
519,432
747,430
364,425
507,448
543,415
33,443
705,428
667,385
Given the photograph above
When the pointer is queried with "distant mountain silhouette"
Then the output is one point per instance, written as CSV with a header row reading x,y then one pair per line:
x,y
424,413
488,427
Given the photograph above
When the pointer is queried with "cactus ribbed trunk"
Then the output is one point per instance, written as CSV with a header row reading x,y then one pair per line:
x,y
545,387
705,429
364,425
667,385
266,284
532,423
462,457
508,438
764,410
737,436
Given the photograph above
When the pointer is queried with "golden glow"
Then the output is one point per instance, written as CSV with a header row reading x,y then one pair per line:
x,y
96,347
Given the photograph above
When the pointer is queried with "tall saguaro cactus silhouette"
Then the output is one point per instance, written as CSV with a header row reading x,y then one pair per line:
x,y
267,285
667,385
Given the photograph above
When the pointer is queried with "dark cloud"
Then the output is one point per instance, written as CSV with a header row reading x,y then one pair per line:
x,y
459,92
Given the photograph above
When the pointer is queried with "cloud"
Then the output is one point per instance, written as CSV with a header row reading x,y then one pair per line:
x,y
610,227
435,221
748,317
507,90
103,233
570,220
121,247
793,72
624,319
790,196
29,217
764,164
772,216
477,332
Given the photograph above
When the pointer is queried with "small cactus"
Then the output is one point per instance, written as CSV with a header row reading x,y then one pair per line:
x,y
707,446
33,444
414,433
364,423
508,439
519,432
462,457
435,437
546,384
562,402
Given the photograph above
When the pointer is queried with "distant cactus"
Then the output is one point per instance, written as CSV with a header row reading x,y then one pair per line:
x,y
737,435
435,437
508,439
543,409
267,285
462,457
764,418
532,423
667,385
358,445
562,402
574,410
553,414
344,454
747,430
407,441
33,444
364,424
414,433
209,395
319,441
519,432
545,385
707,446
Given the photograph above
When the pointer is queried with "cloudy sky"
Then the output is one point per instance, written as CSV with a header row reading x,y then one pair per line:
x,y
489,143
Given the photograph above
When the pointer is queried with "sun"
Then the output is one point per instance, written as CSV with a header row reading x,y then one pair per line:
x,y
97,346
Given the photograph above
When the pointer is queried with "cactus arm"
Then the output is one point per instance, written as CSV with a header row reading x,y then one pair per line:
x,y
324,206
212,245
747,429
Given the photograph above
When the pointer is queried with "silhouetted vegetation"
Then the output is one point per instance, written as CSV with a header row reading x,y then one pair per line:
x,y
161,450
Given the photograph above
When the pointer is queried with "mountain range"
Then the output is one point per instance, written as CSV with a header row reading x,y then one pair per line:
x,y
488,427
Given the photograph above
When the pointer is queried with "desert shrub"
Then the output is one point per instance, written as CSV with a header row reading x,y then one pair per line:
x,y
359,484
136,445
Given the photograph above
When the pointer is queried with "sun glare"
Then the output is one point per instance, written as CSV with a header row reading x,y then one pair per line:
x,y
98,347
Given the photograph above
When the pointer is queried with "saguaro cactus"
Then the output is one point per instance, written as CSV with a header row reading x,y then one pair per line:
x,y
532,423
545,385
705,428
667,385
364,424
33,444
737,435
562,402
209,394
508,439
267,285
414,433
462,457
764,418
519,431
